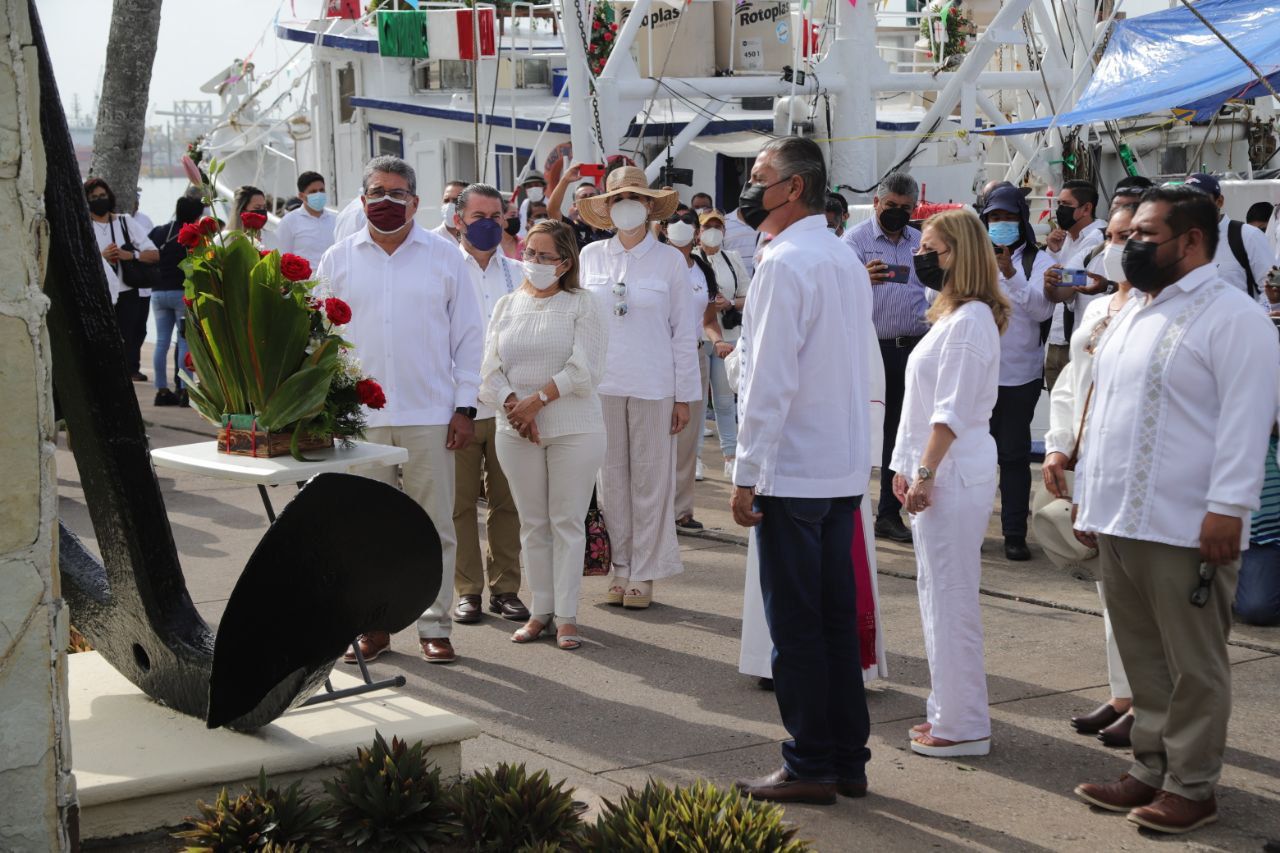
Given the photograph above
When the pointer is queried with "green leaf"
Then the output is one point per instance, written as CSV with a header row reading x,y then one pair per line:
x,y
277,331
300,396
216,334
239,257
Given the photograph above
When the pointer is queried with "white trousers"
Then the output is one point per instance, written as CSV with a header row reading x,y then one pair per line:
x,y
552,484
948,543
689,442
756,655
1116,676
637,487
428,478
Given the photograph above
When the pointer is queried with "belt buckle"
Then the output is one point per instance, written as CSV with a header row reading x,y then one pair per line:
x,y
898,341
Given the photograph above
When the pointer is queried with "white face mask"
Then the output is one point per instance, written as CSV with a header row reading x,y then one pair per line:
x,y
541,276
712,238
534,194
628,214
680,234
1111,266
447,210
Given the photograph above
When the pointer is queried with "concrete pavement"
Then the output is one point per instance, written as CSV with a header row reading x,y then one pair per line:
x,y
657,692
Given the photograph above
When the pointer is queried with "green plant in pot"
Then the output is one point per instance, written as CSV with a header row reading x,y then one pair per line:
x,y
271,368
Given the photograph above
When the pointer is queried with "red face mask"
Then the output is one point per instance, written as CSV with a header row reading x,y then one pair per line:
x,y
387,215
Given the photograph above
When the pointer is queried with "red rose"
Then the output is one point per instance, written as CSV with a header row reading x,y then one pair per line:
x,y
253,221
338,312
370,394
264,253
189,236
294,268
608,36
188,301
208,226
188,364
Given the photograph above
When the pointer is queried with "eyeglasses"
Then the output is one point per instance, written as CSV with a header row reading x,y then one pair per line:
x,y
540,257
620,306
1200,595
379,194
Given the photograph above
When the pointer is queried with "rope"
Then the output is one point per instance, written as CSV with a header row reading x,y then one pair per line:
x,y
1261,77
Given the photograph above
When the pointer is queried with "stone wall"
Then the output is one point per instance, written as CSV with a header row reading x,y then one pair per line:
x,y
37,788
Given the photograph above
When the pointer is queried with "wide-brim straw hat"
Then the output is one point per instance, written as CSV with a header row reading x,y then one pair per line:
x,y
629,179
1051,521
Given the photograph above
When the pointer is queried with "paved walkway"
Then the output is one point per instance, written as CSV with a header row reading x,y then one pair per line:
x,y
657,693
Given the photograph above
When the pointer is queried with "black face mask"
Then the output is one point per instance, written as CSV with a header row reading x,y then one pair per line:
x,y
513,226
751,204
1065,216
1140,268
894,219
99,206
930,274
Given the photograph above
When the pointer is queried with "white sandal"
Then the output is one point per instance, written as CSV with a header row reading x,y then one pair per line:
x,y
981,746
616,592
638,595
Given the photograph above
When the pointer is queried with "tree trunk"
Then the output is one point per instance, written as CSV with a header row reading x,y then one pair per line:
x,y
126,87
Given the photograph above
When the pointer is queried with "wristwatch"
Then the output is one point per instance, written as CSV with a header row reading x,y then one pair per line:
x,y
923,473
469,411
542,396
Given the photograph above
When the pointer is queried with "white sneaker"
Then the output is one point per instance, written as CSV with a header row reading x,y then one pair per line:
x,y
728,470
708,432
698,472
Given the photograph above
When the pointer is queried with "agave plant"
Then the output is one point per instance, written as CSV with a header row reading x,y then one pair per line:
x,y
699,818
508,809
299,821
389,798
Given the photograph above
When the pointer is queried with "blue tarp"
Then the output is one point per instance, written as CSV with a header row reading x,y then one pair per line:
x,y
1171,61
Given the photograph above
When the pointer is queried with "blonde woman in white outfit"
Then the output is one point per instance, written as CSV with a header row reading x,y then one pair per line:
x,y
650,378
544,356
944,438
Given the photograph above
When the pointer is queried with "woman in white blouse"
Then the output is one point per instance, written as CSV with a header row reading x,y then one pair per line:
x,y
544,356
650,378
944,438
1111,721
725,327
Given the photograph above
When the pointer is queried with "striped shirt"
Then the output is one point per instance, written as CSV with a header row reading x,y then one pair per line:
x,y
1265,529
898,309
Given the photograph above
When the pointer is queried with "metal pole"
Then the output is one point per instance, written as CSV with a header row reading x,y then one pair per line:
x,y
580,119
855,57
688,133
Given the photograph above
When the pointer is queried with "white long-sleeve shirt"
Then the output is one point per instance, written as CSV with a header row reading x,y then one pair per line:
x,y
952,378
415,324
741,238
802,414
350,220
501,277
653,353
1021,352
1066,402
307,236
120,228
1072,249
732,280
1256,247
1185,393
532,341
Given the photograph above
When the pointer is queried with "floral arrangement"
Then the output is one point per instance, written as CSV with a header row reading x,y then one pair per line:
x,y
268,353
603,31
947,30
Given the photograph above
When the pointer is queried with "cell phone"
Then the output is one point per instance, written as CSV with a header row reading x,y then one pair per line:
x,y
898,274
592,170
1073,278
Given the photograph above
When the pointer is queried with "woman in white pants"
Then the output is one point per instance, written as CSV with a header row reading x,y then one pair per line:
x,y
944,439
1112,720
544,355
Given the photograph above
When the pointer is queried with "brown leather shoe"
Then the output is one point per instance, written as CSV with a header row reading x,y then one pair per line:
x,y
438,650
1096,720
372,644
1175,814
851,789
468,609
781,787
1117,734
1120,796
508,606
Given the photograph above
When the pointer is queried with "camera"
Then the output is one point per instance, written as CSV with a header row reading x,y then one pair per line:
x,y
670,176
731,318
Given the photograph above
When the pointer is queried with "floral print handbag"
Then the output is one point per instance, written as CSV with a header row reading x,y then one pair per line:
x,y
598,557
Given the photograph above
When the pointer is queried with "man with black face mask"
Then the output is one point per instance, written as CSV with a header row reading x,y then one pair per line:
x,y
1077,232
885,244
1185,393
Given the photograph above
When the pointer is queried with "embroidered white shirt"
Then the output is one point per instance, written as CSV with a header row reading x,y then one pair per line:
x,y
653,353
803,419
1185,393
501,277
415,323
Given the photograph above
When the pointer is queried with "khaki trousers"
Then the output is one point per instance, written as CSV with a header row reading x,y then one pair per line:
x,y
427,478
1056,357
502,523
689,441
1175,655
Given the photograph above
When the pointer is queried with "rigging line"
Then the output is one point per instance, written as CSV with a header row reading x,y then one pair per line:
x,y
1261,77
493,102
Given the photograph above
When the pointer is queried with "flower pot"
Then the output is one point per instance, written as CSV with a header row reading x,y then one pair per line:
x,y
240,435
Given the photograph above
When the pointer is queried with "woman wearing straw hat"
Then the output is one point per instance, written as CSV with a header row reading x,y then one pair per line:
x,y
650,378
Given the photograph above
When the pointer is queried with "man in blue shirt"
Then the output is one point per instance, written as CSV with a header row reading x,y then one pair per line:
x,y
885,244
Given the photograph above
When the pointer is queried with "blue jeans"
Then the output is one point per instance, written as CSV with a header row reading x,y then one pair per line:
x,y
167,307
726,408
1258,589
806,577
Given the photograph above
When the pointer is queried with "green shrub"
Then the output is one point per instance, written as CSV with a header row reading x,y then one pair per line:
x,y
263,818
507,809
386,799
699,818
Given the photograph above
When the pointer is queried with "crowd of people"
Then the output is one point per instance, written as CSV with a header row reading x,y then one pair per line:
x,y
543,354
